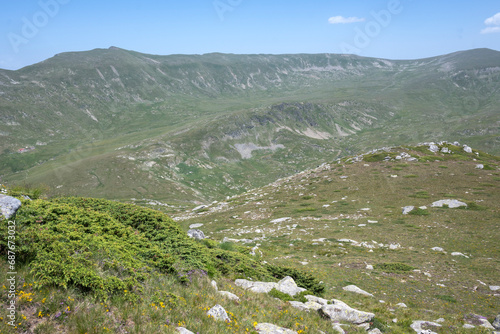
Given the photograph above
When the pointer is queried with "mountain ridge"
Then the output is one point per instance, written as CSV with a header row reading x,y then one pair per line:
x,y
230,117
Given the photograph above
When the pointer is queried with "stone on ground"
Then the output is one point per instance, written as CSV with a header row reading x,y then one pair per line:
x,y
451,203
355,289
196,234
9,206
218,313
265,328
183,330
340,311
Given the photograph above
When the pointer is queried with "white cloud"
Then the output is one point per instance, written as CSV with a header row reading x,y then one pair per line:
x,y
490,30
493,21
341,19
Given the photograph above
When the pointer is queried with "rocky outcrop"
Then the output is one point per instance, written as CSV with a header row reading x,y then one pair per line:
x,y
417,326
9,206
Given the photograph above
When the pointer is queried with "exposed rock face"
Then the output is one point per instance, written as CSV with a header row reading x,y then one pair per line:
x,y
340,311
218,313
452,203
9,206
355,289
196,234
265,328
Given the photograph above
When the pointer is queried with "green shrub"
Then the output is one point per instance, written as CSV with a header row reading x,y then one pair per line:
x,y
394,267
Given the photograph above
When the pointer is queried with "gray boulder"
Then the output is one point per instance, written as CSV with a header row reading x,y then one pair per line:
x,y
408,209
9,206
451,203
340,311
228,295
218,313
265,328
355,289
417,326
196,234
496,322
287,285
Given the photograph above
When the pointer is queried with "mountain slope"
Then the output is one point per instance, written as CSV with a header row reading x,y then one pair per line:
x,y
121,124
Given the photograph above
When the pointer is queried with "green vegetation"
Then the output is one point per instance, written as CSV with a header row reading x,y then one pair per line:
x,y
395,268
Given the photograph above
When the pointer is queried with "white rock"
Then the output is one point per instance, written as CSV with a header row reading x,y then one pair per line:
x,y
468,326
195,226
229,295
280,220
479,166
218,313
467,149
417,326
437,249
287,285
402,305
494,287
355,289
214,285
451,203
183,330
9,206
196,234
459,254
433,148
372,221
394,176
340,311
299,305
337,328
265,328
408,209
369,267
315,299
375,331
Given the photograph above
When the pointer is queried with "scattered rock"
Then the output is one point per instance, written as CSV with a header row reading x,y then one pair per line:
x,y
496,322
369,267
183,330
459,254
340,311
433,148
265,328
477,320
214,285
299,305
201,207
467,149
287,285
408,209
195,226
9,206
438,249
280,220
468,326
445,150
229,295
451,203
338,328
494,287
402,305
355,289
417,326
259,287
479,166
196,234
218,313
375,331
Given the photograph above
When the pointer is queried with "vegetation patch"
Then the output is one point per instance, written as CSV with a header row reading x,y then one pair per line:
x,y
396,268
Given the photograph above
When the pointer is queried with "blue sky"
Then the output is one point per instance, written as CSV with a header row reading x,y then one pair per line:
x,y
31,31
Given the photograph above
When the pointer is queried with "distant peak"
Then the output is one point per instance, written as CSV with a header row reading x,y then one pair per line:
x,y
114,48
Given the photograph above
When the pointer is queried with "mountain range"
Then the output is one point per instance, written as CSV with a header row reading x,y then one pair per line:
x,y
196,128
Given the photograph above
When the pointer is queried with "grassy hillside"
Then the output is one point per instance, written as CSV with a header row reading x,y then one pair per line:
x,y
181,129
96,266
